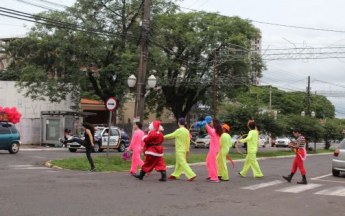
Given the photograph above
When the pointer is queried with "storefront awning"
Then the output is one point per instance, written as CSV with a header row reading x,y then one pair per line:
x,y
67,113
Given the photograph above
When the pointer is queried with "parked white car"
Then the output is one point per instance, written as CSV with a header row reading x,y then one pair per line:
x,y
203,141
282,141
263,141
234,138
118,140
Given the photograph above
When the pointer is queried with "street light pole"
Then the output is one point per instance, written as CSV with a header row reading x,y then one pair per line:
x,y
215,85
140,97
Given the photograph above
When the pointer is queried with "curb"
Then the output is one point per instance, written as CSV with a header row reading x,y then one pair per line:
x,y
49,165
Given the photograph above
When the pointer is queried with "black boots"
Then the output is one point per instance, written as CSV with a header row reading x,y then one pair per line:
x,y
304,180
141,175
289,177
164,176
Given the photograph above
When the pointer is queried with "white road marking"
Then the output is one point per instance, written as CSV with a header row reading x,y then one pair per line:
x,y
31,168
335,191
320,177
299,188
343,182
51,149
262,185
26,165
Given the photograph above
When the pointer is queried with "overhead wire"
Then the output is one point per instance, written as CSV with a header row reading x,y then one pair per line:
x,y
274,24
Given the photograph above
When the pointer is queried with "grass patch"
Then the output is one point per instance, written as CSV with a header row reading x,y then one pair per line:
x,y
116,163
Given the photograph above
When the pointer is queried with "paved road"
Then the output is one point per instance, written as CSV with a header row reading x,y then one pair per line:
x,y
28,188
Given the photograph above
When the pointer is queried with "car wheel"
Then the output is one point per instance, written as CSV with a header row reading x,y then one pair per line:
x,y
100,150
122,147
95,148
263,146
14,148
72,150
196,146
335,173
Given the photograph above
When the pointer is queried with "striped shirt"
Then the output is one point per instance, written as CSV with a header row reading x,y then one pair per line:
x,y
301,141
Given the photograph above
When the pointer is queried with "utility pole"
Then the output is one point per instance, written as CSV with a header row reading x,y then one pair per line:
x,y
270,99
140,97
215,85
308,97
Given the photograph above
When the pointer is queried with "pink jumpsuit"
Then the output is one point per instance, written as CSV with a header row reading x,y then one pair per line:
x,y
136,146
211,160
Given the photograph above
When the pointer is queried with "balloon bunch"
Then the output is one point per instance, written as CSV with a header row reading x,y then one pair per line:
x,y
12,113
202,124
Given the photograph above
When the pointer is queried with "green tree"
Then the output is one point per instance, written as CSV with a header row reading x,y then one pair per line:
x,y
287,103
55,60
311,128
237,117
333,129
184,57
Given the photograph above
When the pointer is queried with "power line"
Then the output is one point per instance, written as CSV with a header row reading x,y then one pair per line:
x,y
53,3
56,23
36,5
203,4
274,24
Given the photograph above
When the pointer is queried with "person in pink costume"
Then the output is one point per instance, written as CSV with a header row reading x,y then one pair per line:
x,y
136,146
215,131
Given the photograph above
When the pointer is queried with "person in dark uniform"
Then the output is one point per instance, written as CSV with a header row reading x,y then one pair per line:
x,y
88,142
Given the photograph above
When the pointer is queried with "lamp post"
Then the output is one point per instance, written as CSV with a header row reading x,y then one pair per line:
x,y
303,113
140,94
313,114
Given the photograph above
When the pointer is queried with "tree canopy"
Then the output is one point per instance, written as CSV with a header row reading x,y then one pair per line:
x,y
183,60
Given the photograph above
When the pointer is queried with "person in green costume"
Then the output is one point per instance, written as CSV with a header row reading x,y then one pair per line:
x,y
252,141
225,144
182,144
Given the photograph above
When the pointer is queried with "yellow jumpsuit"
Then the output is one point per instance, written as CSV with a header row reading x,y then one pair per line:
x,y
252,141
182,144
225,144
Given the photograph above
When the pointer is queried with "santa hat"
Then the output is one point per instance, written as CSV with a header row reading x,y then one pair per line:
x,y
156,126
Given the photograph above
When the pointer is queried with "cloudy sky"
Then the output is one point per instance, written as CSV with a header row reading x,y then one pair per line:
x,y
326,74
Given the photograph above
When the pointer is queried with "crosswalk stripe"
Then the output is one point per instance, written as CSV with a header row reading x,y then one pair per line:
x,y
262,185
335,191
299,188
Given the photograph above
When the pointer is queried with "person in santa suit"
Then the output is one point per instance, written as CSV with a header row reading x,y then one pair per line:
x,y
153,150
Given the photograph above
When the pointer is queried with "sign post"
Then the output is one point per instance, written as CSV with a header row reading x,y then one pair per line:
x,y
111,104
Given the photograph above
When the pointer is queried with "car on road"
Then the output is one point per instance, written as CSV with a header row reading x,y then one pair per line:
x,y
263,141
203,141
282,141
9,138
119,140
338,161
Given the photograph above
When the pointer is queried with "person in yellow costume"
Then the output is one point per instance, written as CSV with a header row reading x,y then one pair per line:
x,y
225,144
252,141
182,144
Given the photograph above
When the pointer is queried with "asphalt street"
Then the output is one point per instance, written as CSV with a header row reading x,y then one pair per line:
x,y
29,188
